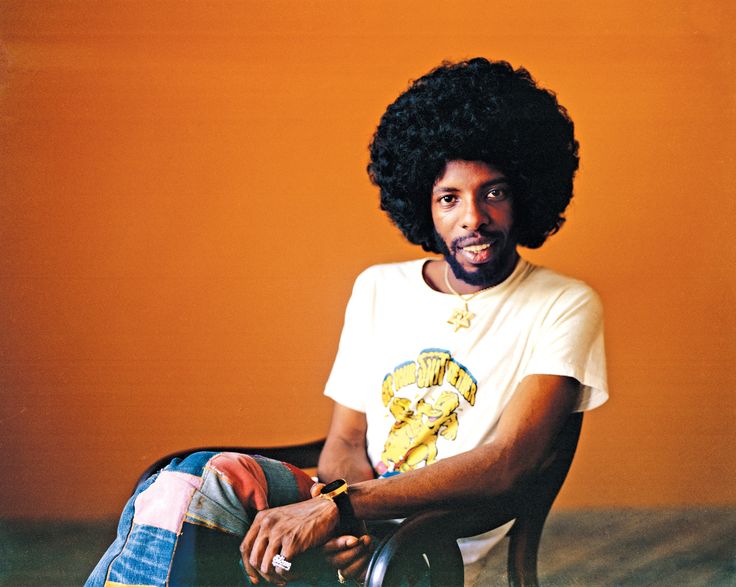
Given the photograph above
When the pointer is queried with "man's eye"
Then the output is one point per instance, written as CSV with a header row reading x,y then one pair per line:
x,y
447,199
498,194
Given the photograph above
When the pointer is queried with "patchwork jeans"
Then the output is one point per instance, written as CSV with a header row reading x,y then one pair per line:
x,y
184,525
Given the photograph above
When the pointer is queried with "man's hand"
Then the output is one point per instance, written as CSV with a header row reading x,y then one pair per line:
x,y
350,555
289,531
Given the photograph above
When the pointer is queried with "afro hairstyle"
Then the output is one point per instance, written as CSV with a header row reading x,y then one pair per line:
x,y
475,110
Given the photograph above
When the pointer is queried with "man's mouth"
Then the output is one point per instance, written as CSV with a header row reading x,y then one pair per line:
x,y
477,253
477,248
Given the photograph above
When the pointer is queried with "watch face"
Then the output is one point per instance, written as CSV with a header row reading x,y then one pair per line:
x,y
332,485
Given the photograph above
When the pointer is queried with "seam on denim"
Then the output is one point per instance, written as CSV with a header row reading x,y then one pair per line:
x,y
222,474
130,529
245,519
198,521
181,524
171,560
217,472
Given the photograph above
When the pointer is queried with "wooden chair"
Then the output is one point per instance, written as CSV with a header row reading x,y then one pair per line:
x,y
426,542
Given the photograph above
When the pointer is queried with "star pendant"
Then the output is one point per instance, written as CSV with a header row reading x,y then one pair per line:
x,y
461,318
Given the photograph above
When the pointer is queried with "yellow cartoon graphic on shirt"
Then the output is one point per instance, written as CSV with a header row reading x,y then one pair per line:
x,y
412,439
415,441
403,433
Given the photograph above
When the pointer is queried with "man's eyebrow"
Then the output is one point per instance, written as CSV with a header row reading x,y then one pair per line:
x,y
486,184
496,181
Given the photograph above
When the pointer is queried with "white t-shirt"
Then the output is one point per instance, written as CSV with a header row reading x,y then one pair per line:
x,y
430,391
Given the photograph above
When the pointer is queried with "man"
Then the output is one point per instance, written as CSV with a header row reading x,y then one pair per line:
x,y
470,363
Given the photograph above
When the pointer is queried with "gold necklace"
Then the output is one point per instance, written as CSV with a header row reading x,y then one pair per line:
x,y
461,317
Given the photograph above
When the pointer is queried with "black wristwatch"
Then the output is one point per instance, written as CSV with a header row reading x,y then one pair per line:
x,y
337,491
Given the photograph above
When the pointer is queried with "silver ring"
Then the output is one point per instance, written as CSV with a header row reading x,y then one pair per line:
x,y
340,577
280,562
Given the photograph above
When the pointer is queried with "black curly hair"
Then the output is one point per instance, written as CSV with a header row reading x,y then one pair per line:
x,y
476,110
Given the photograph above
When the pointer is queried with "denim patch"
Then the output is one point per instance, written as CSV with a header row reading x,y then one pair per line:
x,y
282,483
146,558
164,503
245,476
216,505
193,464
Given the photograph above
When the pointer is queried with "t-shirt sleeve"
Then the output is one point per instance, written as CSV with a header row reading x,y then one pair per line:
x,y
344,385
570,343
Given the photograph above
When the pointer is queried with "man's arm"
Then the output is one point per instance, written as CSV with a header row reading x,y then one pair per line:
x,y
524,436
525,433
344,454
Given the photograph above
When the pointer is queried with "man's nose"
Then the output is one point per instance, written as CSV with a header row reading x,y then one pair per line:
x,y
475,215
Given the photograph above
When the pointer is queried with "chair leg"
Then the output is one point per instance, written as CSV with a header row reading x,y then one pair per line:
x,y
522,557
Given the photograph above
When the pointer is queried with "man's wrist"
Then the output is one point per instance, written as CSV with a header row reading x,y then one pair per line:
x,y
337,491
332,509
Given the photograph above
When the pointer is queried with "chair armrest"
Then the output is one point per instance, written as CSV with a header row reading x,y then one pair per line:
x,y
428,540
405,554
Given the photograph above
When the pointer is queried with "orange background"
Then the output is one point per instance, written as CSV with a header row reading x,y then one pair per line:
x,y
185,206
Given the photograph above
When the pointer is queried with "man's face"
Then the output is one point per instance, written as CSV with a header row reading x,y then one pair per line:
x,y
473,220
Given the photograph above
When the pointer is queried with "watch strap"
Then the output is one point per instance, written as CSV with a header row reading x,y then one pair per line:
x,y
337,492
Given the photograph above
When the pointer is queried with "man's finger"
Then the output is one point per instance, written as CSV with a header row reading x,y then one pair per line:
x,y
340,543
246,548
345,557
257,556
250,571
264,566
250,536
356,569
269,553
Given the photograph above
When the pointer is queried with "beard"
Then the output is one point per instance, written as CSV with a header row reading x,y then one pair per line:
x,y
487,274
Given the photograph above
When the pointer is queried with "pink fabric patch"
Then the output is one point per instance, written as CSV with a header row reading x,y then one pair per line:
x,y
245,476
165,502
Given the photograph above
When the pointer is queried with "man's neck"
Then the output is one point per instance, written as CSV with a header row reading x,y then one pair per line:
x,y
437,273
